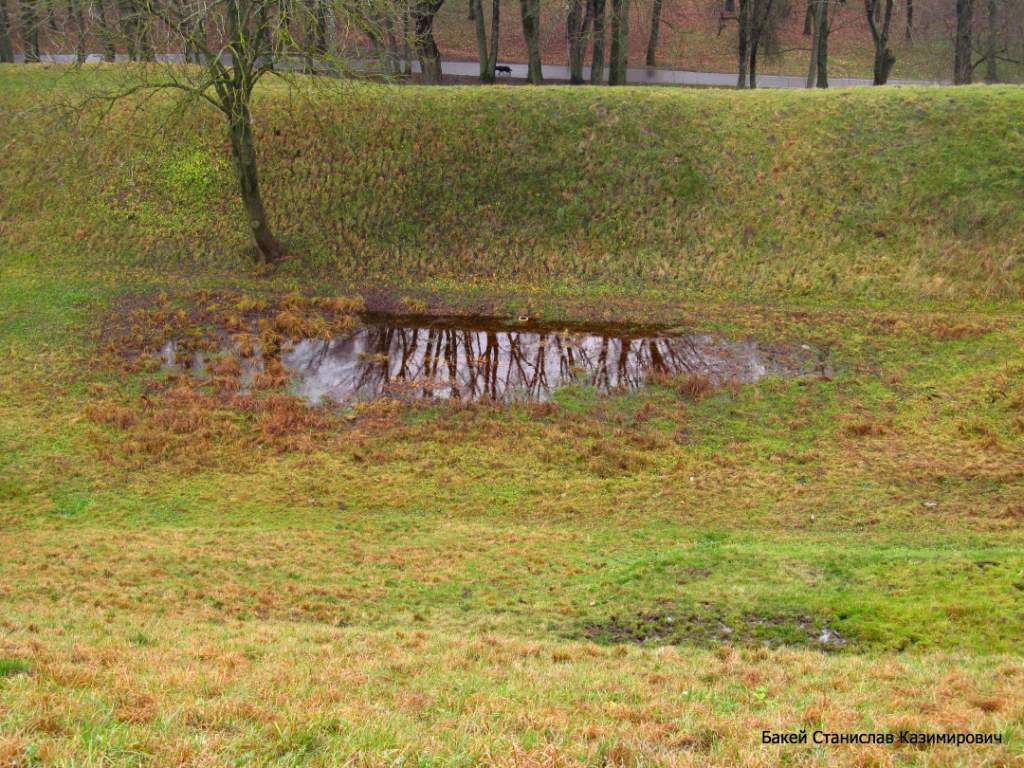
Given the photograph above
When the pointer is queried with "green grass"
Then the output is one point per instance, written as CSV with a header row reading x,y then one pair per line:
x,y
11,667
630,580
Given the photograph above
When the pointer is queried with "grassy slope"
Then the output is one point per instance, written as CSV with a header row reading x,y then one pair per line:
x,y
428,584
867,196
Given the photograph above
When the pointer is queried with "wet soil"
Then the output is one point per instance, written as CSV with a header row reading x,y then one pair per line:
x,y
672,625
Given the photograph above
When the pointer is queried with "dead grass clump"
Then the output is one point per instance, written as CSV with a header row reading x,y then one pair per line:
x,y
691,386
413,305
975,429
947,330
273,376
865,428
111,414
609,459
137,709
342,305
226,365
295,326
284,415
245,343
248,304
184,421
542,410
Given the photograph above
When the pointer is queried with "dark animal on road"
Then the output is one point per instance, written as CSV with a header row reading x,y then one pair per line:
x,y
502,69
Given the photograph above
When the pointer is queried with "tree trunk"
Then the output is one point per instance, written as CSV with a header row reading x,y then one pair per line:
x,y
530,12
394,56
106,33
812,66
407,27
488,54
620,42
76,17
884,58
991,47
744,42
243,151
426,46
577,31
492,60
6,49
909,32
809,19
963,71
752,74
824,27
30,30
597,56
652,42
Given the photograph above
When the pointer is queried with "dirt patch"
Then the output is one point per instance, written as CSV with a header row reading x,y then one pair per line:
x,y
668,625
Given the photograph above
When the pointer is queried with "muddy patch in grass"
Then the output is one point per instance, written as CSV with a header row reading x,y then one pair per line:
x,y
467,359
668,625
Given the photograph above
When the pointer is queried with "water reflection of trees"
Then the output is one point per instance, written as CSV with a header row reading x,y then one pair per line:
x,y
478,364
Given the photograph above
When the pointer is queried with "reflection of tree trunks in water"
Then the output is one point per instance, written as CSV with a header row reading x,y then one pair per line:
x,y
451,351
623,367
507,365
657,361
493,355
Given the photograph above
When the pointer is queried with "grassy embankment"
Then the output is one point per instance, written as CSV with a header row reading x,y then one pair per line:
x,y
185,580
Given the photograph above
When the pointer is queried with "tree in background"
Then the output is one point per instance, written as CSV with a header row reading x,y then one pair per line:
x,y
991,43
578,18
6,49
758,31
597,55
652,40
488,53
743,43
963,68
817,73
30,23
529,11
620,43
422,15
879,15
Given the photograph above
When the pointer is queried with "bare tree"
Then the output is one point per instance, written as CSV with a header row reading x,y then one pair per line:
x,y
422,16
530,12
579,17
991,43
6,49
884,57
963,68
30,23
488,53
817,74
652,40
597,55
253,39
743,43
620,43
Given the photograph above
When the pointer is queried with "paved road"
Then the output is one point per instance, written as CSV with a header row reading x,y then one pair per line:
x,y
637,75
649,76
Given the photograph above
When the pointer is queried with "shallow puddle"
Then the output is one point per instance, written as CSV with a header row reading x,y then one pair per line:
x,y
416,358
